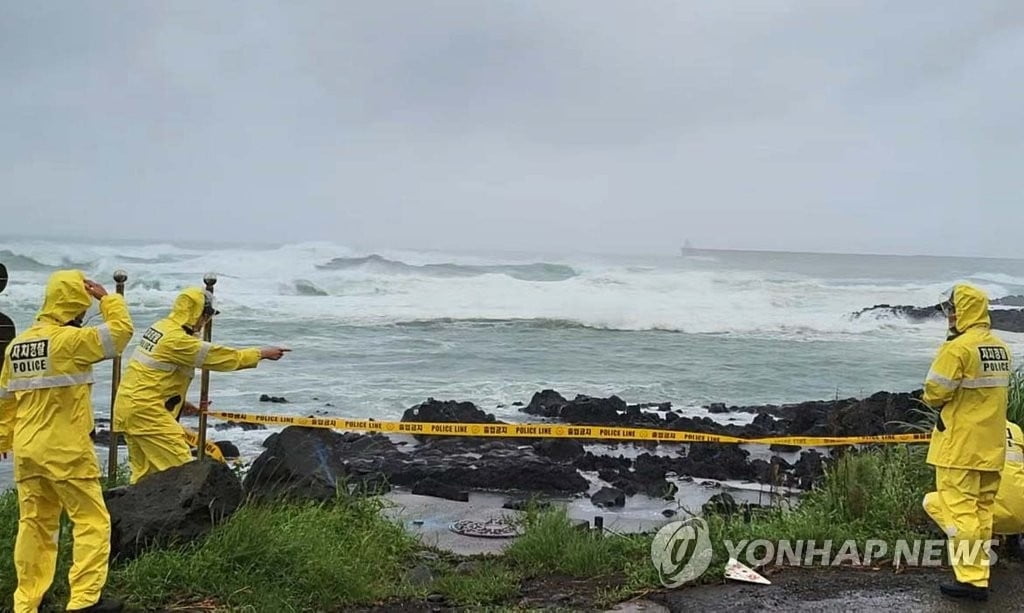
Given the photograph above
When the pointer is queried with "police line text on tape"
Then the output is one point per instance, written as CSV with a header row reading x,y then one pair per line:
x,y
556,431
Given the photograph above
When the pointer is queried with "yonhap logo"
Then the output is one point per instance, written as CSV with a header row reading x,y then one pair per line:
x,y
681,551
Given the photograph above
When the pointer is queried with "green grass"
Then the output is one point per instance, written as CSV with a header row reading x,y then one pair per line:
x,y
552,544
302,557
278,558
870,494
1015,407
490,581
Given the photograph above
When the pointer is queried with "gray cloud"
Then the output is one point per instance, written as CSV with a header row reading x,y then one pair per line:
x,y
571,125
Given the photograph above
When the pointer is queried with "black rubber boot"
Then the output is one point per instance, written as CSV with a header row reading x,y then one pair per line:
x,y
956,589
105,605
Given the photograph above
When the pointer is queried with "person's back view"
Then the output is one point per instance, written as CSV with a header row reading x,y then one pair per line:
x,y
46,417
968,386
153,388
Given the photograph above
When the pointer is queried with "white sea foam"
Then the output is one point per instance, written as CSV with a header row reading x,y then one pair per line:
x,y
694,295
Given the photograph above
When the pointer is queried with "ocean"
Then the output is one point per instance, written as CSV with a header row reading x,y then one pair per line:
x,y
375,332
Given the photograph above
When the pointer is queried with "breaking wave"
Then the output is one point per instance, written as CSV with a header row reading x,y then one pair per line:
x,y
330,284
13,261
380,265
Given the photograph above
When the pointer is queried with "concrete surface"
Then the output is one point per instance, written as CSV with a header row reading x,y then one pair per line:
x,y
795,589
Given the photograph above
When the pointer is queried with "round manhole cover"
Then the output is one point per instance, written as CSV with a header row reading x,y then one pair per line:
x,y
492,528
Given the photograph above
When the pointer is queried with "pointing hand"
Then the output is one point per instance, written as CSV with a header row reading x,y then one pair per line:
x,y
273,353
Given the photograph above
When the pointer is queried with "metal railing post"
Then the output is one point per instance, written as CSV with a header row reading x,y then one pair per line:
x,y
120,277
204,388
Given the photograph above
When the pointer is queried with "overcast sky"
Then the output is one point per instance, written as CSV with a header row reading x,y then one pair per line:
x,y
593,126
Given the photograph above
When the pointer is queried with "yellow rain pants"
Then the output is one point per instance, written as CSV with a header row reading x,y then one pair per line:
x,y
963,507
150,454
1008,512
40,501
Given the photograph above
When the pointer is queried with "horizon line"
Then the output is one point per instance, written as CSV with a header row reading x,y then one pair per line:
x,y
680,251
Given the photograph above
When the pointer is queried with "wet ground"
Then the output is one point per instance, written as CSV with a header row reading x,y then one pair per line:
x,y
795,589
429,518
792,589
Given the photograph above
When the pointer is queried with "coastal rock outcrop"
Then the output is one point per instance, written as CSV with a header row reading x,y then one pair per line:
x,y
447,411
312,464
1011,301
174,506
1008,320
432,487
1005,319
309,463
589,410
608,497
876,414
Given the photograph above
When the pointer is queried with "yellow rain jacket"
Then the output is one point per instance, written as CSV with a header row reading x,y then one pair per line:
x,y
46,381
159,373
46,415
1008,516
1008,512
968,382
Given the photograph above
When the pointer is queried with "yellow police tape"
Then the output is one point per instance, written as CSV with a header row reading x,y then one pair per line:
x,y
212,450
555,431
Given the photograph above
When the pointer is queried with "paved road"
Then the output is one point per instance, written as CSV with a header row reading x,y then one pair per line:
x,y
847,590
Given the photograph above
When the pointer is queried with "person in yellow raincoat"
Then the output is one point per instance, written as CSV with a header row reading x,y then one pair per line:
x,y
1008,513
46,418
152,391
968,385
1008,516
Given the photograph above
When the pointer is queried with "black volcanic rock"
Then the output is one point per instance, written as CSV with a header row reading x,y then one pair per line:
x,y
1006,319
228,449
561,449
431,487
809,468
1012,301
171,507
716,461
597,411
102,438
245,426
608,497
313,464
447,411
546,403
912,313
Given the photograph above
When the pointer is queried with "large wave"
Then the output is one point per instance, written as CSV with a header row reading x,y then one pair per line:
x,y
14,261
381,265
324,282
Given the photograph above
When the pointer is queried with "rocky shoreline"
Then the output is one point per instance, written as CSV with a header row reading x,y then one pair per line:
x,y
309,463
314,464
1008,318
